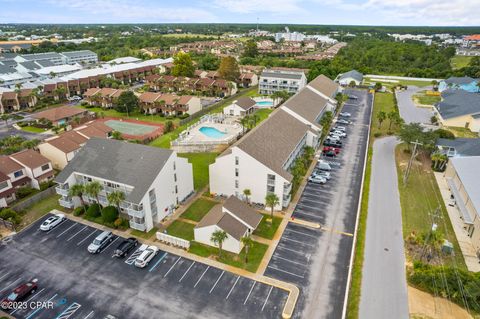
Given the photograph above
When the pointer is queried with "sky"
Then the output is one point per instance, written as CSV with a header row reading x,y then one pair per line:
x,y
343,12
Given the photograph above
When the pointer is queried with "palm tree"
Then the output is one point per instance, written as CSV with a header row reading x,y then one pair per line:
x,y
218,237
115,198
381,116
253,120
247,193
5,117
247,241
271,200
391,118
77,190
93,189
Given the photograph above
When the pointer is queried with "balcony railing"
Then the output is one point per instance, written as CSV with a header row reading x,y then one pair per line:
x,y
65,203
286,200
61,191
136,213
287,188
271,182
137,226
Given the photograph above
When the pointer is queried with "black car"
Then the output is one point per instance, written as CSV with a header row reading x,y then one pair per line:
x,y
330,154
125,247
328,142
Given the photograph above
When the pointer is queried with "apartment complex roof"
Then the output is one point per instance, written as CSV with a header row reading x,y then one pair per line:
x,y
468,170
30,158
460,80
269,73
59,113
122,162
324,85
64,144
243,211
457,103
462,146
245,102
41,56
74,54
308,105
354,74
8,166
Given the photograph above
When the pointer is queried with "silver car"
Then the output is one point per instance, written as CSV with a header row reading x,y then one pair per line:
x,y
100,242
52,222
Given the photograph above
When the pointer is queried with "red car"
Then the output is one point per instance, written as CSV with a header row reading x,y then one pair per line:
x,y
19,293
327,149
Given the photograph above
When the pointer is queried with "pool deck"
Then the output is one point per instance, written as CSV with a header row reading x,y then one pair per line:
x,y
195,136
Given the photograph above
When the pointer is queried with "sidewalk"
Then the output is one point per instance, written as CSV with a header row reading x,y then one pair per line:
x,y
466,246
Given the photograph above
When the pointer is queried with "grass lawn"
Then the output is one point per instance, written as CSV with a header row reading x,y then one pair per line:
x,y
424,99
255,255
460,61
133,115
263,114
33,129
462,132
164,140
144,235
198,209
420,198
200,162
40,209
399,82
181,229
383,102
267,229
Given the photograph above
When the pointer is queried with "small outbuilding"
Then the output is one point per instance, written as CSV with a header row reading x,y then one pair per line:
x,y
350,77
241,107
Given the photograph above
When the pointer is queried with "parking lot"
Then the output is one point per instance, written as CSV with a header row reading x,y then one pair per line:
x,y
317,260
80,285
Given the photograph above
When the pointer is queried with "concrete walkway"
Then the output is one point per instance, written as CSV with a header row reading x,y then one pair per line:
x,y
384,287
465,243
408,110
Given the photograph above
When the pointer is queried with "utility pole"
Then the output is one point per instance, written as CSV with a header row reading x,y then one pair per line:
x,y
435,215
410,162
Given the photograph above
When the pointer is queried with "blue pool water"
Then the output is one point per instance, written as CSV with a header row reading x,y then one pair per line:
x,y
265,103
211,132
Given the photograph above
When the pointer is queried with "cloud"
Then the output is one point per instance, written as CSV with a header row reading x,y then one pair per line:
x,y
260,6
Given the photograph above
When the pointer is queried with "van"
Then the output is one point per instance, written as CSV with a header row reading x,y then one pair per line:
x,y
323,166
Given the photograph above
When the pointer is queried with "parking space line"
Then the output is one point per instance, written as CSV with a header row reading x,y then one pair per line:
x,y
158,261
248,296
10,285
77,233
292,250
87,237
293,262
67,313
305,213
308,206
8,273
130,260
231,289
59,235
89,315
268,296
164,276
186,272
287,272
201,277
105,249
40,308
297,241
299,232
216,282
29,299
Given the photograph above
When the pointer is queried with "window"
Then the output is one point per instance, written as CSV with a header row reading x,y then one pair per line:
x,y
45,167
174,166
270,189
236,172
176,189
3,185
175,177
236,183
236,160
18,173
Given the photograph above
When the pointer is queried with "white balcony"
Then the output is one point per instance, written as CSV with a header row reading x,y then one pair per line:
x,y
65,203
286,200
137,226
136,213
61,191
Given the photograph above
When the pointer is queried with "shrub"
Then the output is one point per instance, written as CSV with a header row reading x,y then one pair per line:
x,y
22,124
441,133
25,191
79,210
93,211
434,120
390,133
378,134
45,185
10,215
109,214
170,117
184,116
117,223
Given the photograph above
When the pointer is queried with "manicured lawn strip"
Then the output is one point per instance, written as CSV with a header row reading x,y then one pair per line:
x,y
266,229
137,115
33,129
419,199
263,114
198,209
355,291
144,235
200,163
164,140
462,132
424,99
40,209
383,102
181,229
255,255
460,61
399,82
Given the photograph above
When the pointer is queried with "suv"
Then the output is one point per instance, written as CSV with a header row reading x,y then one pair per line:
x,y
125,247
100,242
316,179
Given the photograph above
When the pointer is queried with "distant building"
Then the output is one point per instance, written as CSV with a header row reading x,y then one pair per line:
x,y
276,80
61,115
241,107
459,83
459,108
80,57
347,78
459,147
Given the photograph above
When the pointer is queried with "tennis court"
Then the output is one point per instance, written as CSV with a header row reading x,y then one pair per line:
x,y
129,128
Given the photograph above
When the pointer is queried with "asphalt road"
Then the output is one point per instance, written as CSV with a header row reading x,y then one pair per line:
x,y
81,285
317,260
409,112
384,288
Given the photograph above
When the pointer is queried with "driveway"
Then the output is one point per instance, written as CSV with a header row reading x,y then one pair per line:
x,y
317,260
384,288
9,130
409,112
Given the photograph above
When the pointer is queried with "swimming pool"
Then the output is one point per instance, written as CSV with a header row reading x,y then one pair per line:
x,y
211,132
265,103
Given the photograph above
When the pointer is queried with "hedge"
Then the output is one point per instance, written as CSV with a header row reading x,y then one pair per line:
x,y
94,210
109,214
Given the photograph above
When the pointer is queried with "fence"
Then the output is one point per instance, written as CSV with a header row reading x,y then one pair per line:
x,y
6,224
172,240
24,204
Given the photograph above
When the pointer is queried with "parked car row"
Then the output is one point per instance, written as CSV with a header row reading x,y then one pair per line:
x,y
106,238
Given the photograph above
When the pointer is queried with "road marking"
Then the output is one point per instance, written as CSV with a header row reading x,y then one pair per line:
x,y
172,267
158,261
105,249
314,208
59,235
337,231
292,250
12,284
305,213
186,271
67,313
268,296
287,272
297,241
89,315
299,232
248,296
130,260
201,277
293,262
231,289
29,299
216,282
40,308
77,233
306,193
8,273
87,237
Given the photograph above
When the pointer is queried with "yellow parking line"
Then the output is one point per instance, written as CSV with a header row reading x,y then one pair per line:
x,y
337,231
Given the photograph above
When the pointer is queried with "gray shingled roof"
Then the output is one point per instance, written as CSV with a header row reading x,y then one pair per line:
x,y
72,54
6,69
324,85
352,74
30,65
281,75
308,105
462,146
245,102
243,211
468,170
457,103
45,63
127,163
10,63
460,80
41,56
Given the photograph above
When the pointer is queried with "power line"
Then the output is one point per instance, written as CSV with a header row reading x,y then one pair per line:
x,y
410,162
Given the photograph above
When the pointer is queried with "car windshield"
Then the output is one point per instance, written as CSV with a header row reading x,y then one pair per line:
x,y
97,242
12,297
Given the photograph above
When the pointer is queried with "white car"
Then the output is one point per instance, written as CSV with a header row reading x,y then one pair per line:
x,y
52,222
342,121
340,133
334,136
340,128
345,114
322,174
145,257
317,179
